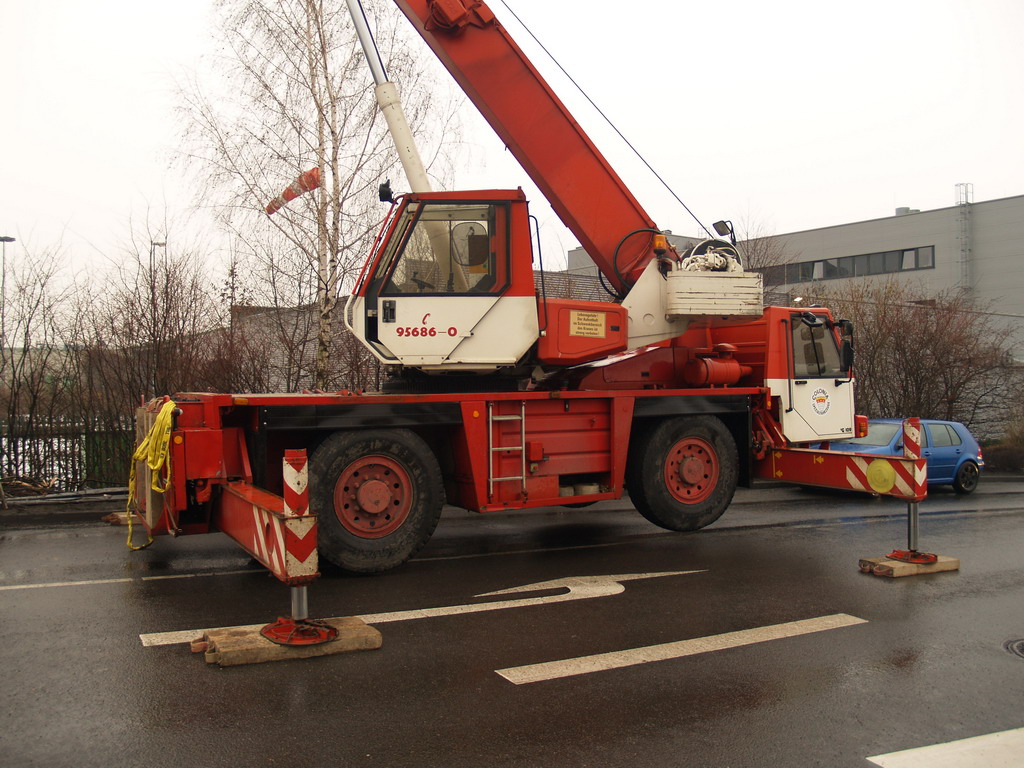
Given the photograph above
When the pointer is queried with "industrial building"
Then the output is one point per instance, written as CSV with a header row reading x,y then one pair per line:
x,y
974,247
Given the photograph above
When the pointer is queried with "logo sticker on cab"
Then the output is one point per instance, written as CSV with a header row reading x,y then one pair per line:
x,y
820,402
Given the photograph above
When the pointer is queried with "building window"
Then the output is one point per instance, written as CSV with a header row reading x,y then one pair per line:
x,y
861,265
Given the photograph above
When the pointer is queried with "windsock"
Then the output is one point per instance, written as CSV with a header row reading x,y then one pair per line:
x,y
306,182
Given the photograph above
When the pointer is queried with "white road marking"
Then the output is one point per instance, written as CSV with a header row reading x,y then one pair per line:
x,y
1004,749
127,580
578,588
10,587
583,665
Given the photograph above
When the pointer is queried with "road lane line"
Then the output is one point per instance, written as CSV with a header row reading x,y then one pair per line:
x,y
10,587
993,750
583,665
125,580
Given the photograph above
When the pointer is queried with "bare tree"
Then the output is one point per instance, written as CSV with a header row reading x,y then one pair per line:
x,y
295,94
37,363
766,253
935,356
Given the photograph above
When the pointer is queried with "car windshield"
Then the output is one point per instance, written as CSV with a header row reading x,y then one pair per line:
x,y
879,433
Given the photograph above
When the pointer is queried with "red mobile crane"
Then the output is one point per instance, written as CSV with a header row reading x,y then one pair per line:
x,y
677,391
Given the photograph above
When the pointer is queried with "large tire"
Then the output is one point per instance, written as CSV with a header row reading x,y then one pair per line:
x,y
966,479
682,473
378,497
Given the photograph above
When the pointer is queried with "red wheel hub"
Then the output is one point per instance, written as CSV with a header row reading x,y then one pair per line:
x,y
373,496
691,470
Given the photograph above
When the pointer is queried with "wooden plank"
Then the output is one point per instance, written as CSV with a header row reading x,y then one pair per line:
x,y
245,645
883,566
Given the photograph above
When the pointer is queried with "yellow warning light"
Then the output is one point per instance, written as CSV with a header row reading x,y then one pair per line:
x,y
881,476
241,401
476,414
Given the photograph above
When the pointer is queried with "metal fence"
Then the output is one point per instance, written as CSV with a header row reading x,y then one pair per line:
x,y
59,456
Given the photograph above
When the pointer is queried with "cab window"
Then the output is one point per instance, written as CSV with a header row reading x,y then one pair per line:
x,y
815,354
452,248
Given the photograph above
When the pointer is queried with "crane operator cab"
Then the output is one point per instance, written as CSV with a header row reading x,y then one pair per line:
x,y
449,287
449,284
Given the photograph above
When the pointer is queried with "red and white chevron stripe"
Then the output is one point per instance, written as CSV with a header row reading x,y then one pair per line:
x,y
912,438
278,531
296,483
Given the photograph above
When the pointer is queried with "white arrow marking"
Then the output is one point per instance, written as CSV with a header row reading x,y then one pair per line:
x,y
578,588
583,665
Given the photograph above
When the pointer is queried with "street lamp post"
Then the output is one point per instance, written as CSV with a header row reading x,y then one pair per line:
x,y
4,239
152,308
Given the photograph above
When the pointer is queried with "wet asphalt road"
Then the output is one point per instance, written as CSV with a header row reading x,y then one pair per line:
x,y
927,665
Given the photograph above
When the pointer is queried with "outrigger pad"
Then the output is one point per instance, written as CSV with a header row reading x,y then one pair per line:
x,y
883,566
245,645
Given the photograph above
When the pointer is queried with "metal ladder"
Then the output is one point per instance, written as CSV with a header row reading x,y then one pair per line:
x,y
492,449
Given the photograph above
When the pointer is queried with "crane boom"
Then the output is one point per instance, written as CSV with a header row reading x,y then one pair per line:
x,y
584,190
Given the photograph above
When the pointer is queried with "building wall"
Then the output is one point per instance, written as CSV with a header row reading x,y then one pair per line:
x,y
995,230
998,241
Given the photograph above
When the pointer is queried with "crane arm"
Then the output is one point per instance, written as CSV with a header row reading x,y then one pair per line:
x,y
588,196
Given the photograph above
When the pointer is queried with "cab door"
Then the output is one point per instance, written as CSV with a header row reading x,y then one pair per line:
x,y
817,400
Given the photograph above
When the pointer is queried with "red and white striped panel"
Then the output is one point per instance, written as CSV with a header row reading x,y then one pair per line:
x,y
296,483
891,477
912,438
280,532
285,545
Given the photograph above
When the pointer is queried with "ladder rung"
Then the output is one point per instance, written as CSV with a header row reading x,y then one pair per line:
x,y
513,477
507,448
507,418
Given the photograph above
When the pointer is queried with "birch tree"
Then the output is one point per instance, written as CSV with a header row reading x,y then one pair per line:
x,y
291,92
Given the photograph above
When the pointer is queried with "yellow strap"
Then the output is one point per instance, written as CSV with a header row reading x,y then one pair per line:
x,y
152,450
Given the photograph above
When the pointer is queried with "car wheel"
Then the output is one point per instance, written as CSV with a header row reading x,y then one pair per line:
x,y
966,478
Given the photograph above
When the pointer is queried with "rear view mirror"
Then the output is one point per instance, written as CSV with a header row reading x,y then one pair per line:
x,y
846,356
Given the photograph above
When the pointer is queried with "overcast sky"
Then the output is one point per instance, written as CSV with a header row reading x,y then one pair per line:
x,y
791,115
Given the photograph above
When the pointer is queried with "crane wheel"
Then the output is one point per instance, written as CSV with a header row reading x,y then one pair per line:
x,y
377,495
682,472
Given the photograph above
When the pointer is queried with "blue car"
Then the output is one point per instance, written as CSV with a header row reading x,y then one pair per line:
x,y
954,456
